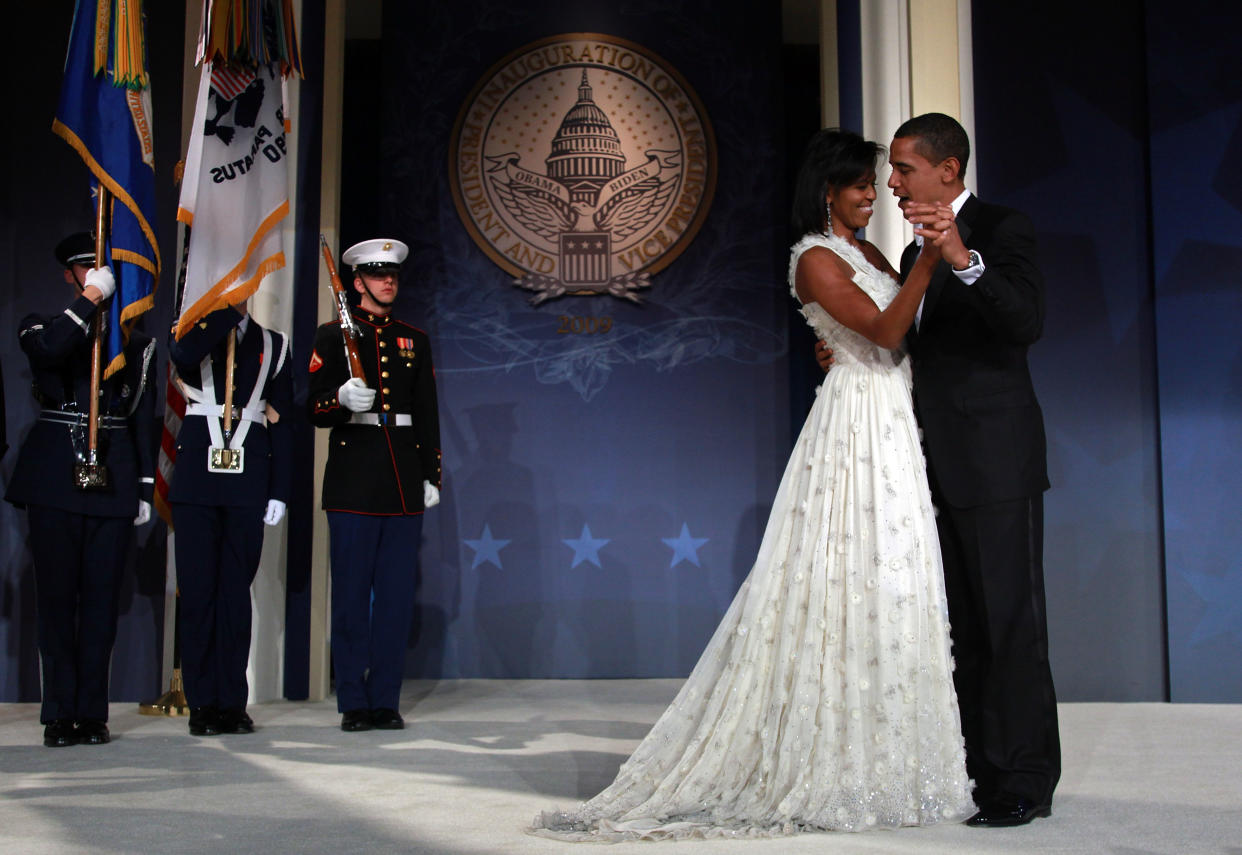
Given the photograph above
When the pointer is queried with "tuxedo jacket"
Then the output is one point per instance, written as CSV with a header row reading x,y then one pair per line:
x,y
983,431
59,350
377,468
267,463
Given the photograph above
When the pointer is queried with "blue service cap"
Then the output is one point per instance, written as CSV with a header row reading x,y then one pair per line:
x,y
78,248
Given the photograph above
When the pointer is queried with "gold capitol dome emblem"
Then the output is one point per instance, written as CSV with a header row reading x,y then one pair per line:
x,y
582,164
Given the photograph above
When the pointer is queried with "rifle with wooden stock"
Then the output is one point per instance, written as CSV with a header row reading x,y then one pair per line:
x,y
349,329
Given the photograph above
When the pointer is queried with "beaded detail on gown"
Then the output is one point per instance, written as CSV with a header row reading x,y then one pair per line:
x,y
824,699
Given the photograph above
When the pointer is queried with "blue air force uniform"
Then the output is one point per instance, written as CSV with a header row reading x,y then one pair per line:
x,y
80,539
218,515
373,493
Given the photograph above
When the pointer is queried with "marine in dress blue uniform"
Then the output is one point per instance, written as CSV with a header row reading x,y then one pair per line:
x,y
383,470
80,539
219,512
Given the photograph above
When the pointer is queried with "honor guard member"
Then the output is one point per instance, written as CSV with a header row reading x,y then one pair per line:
x,y
383,469
80,536
232,477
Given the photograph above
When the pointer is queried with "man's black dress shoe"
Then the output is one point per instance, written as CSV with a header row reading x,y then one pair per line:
x,y
387,719
236,720
92,731
204,721
353,721
60,733
1007,811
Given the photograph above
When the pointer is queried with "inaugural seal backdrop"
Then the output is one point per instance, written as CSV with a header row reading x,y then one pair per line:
x,y
595,214
576,192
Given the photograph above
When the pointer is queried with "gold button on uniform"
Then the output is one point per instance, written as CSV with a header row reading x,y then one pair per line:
x,y
387,408
383,344
384,390
383,359
384,374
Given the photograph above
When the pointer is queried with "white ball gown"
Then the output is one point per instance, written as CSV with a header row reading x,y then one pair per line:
x,y
824,699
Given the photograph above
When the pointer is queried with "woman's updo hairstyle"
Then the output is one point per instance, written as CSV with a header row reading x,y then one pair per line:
x,y
833,159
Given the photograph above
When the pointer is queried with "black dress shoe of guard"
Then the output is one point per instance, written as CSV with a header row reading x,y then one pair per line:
x,y
387,719
60,733
92,731
353,721
204,721
1008,811
236,720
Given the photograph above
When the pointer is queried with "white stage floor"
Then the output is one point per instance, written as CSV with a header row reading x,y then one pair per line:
x,y
479,758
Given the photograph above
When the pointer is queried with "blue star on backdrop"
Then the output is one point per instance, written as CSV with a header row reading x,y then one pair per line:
x,y
1223,612
486,548
685,547
585,547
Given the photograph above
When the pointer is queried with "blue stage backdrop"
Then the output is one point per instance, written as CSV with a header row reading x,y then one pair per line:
x,y
1196,133
1122,145
609,463
1062,136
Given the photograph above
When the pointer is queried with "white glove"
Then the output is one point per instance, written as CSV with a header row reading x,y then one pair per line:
x,y
431,496
355,395
275,512
102,279
144,507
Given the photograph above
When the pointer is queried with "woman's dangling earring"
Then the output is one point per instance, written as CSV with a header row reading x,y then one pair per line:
x,y
827,218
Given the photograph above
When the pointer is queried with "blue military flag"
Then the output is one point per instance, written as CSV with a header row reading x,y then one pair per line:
x,y
105,114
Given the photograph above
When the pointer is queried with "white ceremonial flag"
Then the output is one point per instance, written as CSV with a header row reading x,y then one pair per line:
x,y
235,189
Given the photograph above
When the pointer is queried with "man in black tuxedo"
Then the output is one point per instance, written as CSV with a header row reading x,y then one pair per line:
x,y
984,441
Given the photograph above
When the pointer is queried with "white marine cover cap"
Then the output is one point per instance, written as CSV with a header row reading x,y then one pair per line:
x,y
377,254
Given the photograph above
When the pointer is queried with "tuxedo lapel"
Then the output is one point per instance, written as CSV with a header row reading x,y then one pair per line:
x,y
908,255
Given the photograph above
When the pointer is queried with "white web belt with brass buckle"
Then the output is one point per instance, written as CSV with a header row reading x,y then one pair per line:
x,y
226,461
222,457
386,419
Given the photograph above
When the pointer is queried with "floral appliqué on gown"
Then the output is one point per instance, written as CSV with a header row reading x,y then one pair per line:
x,y
824,699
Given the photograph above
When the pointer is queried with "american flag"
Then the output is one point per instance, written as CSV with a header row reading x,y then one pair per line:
x,y
174,413
230,82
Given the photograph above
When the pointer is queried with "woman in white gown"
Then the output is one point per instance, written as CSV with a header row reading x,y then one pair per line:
x,y
824,700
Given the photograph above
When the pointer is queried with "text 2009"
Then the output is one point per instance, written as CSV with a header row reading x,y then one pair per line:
x,y
574,325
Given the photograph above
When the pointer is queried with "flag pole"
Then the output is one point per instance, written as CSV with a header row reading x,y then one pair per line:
x,y
173,702
90,474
